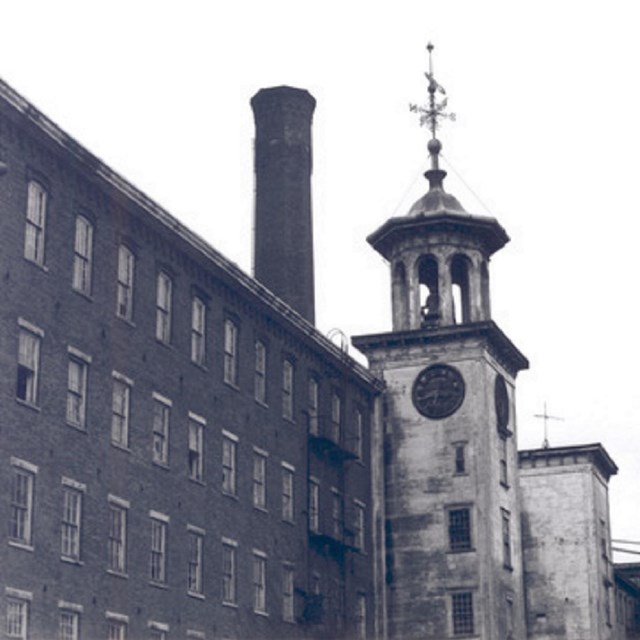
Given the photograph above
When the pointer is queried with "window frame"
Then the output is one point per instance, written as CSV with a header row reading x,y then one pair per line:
x,y
28,362
198,331
336,416
164,307
121,412
158,549
314,505
229,572
229,464
259,573
231,340
260,373
506,539
125,282
460,528
288,492
359,525
21,601
288,386
160,429
36,222
288,592
71,520
196,429
337,514
313,396
82,275
259,479
117,535
195,561
76,409
462,613
22,503
74,627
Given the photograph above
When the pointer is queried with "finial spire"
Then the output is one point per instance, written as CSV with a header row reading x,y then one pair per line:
x,y
430,115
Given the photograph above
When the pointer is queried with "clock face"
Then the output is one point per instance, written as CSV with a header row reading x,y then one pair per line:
x,y
501,398
438,391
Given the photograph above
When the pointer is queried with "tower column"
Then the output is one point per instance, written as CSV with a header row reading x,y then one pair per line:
x,y
414,315
445,292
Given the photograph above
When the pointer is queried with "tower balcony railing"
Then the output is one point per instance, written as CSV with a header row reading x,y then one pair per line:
x,y
327,437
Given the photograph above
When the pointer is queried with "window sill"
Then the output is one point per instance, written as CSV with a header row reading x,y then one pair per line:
x,y
264,614
200,365
505,485
165,344
69,560
233,496
127,321
78,427
261,509
289,521
25,546
289,420
197,481
122,447
231,605
196,595
263,404
83,294
457,551
161,465
118,574
232,385
28,405
461,474
158,585
42,267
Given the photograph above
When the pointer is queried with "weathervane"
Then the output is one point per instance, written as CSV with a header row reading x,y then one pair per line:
x,y
435,111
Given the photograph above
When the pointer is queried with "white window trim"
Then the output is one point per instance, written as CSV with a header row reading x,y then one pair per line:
x,y
18,593
288,466
194,529
231,436
162,399
23,464
74,484
122,378
157,515
119,617
158,626
70,606
197,418
81,355
25,324
121,502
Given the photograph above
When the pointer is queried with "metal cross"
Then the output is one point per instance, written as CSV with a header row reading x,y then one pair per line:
x,y
430,114
545,416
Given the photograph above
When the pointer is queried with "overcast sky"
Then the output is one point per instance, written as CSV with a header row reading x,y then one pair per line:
x,y
546,140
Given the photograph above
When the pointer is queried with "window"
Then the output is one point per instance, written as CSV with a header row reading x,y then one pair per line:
x,y
120,410
229,447
72,497
259,582
230,353
22,490
29,338
196,447
117,543
361,616
358,436
229,571
36,218
336,417
503,461
117,626
260,375
198,332
69,623
124,298
287,594
462,613
158,559
314,505
161,417
259,479
163,307
336,514
313,406
196,538
17,613
460,529
359,523
287,390
506,538
287,492
82,256
460,461
77,388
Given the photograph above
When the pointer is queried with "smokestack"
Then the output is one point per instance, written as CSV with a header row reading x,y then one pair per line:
x,y
283,234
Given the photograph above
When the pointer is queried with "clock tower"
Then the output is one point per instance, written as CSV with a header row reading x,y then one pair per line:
x,y
453,547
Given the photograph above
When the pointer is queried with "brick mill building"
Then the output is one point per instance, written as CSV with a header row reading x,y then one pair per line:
x,y
185,456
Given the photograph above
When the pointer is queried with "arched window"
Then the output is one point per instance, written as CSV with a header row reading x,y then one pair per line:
x,y
399,292
460,267
428,282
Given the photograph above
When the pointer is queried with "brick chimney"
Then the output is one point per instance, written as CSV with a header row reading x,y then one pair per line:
x,y
283,233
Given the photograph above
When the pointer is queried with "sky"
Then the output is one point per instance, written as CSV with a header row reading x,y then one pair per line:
x,y
545,140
